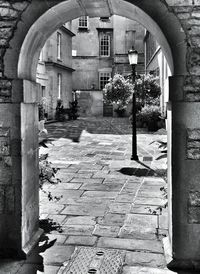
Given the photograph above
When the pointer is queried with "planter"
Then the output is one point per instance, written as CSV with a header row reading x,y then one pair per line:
x,y
120,112
152,125
138,124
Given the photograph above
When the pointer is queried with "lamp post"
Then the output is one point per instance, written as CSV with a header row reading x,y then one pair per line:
x,y
133,59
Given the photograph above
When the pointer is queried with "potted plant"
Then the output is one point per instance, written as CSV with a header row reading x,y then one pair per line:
x,y
59,111
150,114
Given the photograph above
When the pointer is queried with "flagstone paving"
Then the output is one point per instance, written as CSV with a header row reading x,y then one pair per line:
x,y
107,199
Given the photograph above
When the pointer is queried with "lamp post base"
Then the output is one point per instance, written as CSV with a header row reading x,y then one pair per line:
x,y
134,157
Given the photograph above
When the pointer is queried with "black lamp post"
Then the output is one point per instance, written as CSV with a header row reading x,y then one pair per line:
x,y
133,59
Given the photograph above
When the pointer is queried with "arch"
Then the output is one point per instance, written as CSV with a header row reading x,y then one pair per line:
x,y
52,19
39,21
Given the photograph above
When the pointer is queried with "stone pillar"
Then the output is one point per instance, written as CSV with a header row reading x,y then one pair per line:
x,y
184,172
19,203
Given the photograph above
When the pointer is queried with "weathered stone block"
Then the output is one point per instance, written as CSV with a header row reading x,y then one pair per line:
x,y
20,6
194,215
194,198
7,12
194,30
179,2
4,146
193,154
193,134
4,131
5,32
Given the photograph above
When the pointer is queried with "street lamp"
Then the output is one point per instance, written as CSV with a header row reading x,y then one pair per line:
x,y
133,59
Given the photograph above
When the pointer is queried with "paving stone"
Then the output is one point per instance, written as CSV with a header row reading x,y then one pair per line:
x,y
154,181
87,180
57,254
49,208
122,208
102,187
131,191
110,194
85,209
154,246
81,240
106,231
163,221
86,171
68,193
50,269
112,219
125,198
77,229
95,200
80,220
141,220
114,180
136,232
83,175
69,185
60,239
57,218
144,270
143,209
144,259
149,201
149,193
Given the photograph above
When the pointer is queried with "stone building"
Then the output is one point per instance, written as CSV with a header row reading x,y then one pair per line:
x,y
156,64
100,49
54,70
25,26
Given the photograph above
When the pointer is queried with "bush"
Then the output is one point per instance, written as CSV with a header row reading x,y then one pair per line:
x,y
41,109
60,111
147,91
47,174
149,115
118,92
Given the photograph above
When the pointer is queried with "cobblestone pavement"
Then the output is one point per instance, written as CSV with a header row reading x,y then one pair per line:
x,y
107,199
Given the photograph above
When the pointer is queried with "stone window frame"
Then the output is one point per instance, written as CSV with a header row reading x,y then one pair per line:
x,y
105,44
83,22
59,85
59,41
104,76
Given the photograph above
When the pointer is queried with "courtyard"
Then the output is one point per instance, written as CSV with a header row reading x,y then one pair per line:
x,y
105,199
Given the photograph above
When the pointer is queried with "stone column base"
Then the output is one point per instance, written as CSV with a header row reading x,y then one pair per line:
x,y
178,264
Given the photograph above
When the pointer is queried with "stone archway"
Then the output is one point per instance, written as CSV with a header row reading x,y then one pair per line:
x,y
32,23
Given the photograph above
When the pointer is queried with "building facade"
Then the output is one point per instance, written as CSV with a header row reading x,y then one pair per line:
x,y
156,64
54,70
100,49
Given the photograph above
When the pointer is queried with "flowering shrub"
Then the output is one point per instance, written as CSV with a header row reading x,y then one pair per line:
x,y
118,91
47,174
149,113
147,90
41,108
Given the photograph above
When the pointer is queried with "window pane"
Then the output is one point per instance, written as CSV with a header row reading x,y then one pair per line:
x,y
105,45
83,22
103,79
58,45
59,85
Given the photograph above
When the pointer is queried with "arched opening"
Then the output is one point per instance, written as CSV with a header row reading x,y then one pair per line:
x,y
45,26
35,32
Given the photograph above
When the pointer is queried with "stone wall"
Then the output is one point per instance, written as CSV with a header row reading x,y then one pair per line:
x,y
185,116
